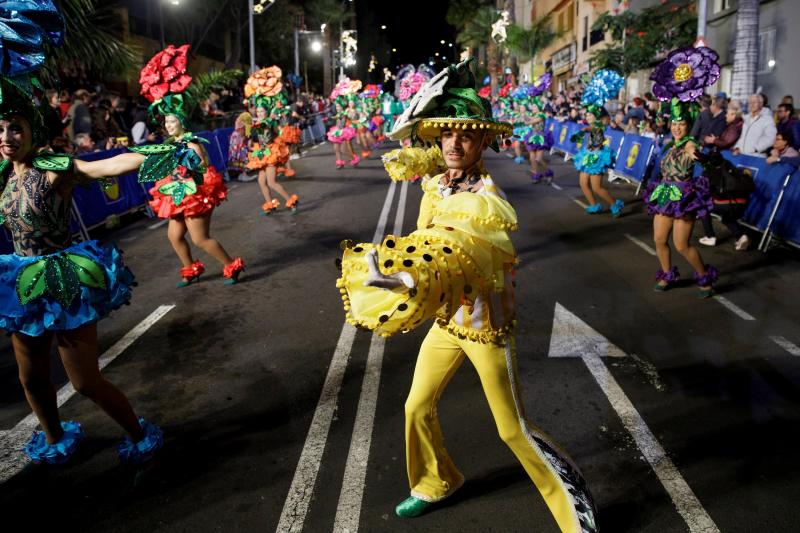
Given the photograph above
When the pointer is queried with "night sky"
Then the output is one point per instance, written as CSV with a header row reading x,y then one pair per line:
x,y
414,27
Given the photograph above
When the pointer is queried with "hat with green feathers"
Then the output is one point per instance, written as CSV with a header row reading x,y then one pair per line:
x,y
448,101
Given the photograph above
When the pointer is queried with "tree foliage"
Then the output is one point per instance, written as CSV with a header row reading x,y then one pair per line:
x,y
525,44
460,12
641,39
92,42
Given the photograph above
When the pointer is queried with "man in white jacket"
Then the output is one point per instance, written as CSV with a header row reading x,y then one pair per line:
x,y
758,130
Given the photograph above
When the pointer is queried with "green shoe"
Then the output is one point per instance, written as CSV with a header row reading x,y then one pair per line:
x,y
412,507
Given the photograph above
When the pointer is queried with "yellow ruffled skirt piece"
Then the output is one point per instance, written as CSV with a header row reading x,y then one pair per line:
x,y
464,251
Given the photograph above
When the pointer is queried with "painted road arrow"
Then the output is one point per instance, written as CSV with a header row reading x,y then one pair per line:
x,y
572,337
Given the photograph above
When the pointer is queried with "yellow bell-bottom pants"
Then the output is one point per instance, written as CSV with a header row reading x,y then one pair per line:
x,y
431,472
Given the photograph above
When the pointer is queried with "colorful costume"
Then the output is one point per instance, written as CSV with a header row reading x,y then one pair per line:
x,y
679,81
239,143
344,128
184,185
268,148
50,284
457,267
594,157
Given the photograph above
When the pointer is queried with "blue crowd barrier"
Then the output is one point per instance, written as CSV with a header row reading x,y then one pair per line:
x,y
786,223
561,137
614,140
633,158
217,157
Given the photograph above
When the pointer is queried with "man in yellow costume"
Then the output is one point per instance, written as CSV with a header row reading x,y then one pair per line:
x,y
457,267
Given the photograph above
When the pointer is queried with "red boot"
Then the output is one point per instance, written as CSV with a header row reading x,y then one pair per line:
x,y
231,272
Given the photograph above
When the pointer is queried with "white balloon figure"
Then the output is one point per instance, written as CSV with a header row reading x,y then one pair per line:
x,y
499,27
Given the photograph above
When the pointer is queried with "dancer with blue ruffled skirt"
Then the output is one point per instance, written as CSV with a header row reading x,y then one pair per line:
x,y
49,287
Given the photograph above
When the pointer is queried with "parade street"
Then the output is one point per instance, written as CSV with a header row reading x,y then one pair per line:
x,y
279,416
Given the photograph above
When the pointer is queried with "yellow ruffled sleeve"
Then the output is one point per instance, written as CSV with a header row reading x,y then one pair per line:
x,y
405,164
459,254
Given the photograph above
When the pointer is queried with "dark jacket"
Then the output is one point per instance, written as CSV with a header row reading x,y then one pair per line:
x,y
708,124
730,135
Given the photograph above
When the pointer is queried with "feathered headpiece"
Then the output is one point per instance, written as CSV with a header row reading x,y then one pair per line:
x,y
26,27
448,100
604,86
683,77
163,80
411,80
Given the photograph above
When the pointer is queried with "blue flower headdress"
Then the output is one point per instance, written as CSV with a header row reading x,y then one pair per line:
x,y
604,86
25,28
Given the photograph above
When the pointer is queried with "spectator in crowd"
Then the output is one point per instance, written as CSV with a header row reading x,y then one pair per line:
x,y
617,124
139,132
781,150
647,129
52,115
104,129
788,99
632,125
636,110
788,125
758,130
705,104
733,118
64,103
118,115
711,121
84,144
732,131
79,114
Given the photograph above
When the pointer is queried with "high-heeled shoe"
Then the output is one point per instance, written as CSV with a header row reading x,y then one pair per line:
x,y
39,451
231,272
670,276
144,450
269,207
356,160
191,273
292,202
339,164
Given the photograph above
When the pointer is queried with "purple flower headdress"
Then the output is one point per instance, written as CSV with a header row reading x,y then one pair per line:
x,y
682,78
540,84
685,74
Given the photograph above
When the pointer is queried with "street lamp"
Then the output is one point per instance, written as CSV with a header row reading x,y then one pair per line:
x,y
316,46
383,26
253,9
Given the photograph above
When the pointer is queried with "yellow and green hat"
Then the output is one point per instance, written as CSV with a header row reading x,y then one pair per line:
x,y
448,101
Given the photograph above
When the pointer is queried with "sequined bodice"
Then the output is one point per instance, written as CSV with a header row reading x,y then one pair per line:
x,y
677,165
597,138
37,216
538,127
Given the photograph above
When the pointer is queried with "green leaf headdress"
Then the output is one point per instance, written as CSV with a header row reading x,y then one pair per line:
x,y
26,27
449,100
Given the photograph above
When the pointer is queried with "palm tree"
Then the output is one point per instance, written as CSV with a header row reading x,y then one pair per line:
x,y
745,58
525,44
92,41
477,32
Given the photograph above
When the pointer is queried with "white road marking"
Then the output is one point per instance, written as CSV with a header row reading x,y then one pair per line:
x,y
348,511
556,186
732,307
295,508
387,205
12,441
158,224
580,203
572,337
640,244
786,344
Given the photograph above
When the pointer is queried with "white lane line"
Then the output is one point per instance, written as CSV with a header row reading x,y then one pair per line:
x,y
295,508
232,187
158,224
580,203
12,441
732,307
348,511
640,244
387,205
684,498
556,186
786,344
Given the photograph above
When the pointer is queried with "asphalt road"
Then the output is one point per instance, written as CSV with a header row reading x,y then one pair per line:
x,y
278,418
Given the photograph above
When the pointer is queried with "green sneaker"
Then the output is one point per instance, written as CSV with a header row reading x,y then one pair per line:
x,y
412,507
